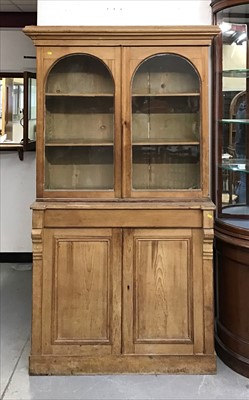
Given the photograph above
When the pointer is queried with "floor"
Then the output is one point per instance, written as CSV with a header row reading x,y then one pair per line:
x,y
17,384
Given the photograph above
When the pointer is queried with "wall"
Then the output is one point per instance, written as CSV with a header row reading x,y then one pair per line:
x,y
17,178
17,194
80,12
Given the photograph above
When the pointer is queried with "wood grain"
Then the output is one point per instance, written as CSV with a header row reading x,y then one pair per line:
x,y
122,233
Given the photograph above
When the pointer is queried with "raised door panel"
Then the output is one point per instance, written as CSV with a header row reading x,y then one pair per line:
x,y
81,292
162,307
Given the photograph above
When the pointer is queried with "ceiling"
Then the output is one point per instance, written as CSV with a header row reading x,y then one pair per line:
x,y
18,5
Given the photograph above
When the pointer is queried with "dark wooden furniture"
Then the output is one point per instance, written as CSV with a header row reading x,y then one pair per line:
x,y
123,222
231,183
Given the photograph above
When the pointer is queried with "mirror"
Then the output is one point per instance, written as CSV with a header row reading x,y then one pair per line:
x,y
17,112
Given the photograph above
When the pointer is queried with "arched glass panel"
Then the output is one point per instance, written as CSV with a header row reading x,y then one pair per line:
x,y
166,125
79,125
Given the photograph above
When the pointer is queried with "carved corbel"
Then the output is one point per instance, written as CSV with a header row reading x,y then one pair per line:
x,y
37,243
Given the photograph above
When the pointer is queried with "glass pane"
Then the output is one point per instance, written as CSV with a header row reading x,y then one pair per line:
x,y
74,168
166,125
32,109
11,109
80,74
79,119
234,123
79,125
166,167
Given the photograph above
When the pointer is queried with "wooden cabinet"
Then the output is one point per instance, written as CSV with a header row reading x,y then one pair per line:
x,y
140,287
231,182
123,221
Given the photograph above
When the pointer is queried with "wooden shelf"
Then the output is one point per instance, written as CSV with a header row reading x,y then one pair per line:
x,y
77,143
79,94
165,94
163,142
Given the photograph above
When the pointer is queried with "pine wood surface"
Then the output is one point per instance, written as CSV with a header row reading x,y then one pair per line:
x,y
102,293
150,364
122,267
187,35
112,176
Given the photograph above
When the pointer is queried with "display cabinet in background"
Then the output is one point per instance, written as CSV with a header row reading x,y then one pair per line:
x,y
231,182
123,220
17,112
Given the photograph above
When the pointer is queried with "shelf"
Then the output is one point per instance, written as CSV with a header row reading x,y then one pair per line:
x,y
181,94
235,121
165,142
236,165
79,94
77,143
13,147
236,73
233,211
10,145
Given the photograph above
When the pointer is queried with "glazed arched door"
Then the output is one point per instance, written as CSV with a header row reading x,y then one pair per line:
x,y
162,130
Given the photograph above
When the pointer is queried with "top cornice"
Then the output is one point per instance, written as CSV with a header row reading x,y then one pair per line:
x,y
120,35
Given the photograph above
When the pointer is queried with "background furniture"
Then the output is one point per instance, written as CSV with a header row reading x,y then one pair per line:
x,y
231,183
17,112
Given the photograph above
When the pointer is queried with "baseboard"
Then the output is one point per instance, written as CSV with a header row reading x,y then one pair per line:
x,y
16,257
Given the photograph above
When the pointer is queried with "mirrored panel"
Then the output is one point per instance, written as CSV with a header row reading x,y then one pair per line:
x,y
11,109
31,108
17,112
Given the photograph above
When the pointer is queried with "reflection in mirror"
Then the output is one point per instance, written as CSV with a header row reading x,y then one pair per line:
x,y
11,106
32,109
17,112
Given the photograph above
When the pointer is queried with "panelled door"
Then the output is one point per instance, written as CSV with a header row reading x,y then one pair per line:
x,y
164,99
100,300
162,309
81,310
